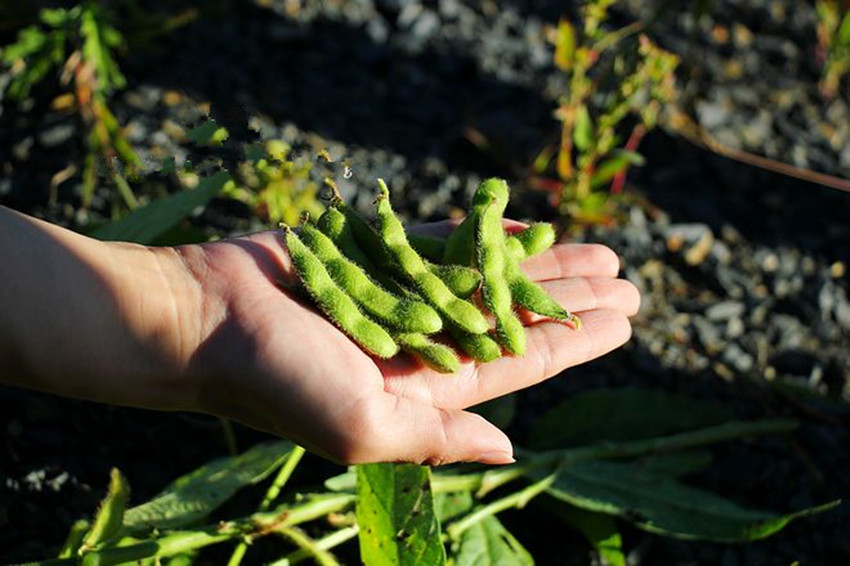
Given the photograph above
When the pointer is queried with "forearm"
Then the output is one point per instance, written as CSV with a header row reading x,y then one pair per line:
x,y
92,320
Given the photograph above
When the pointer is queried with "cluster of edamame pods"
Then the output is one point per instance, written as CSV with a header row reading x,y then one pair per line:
x,y
389,290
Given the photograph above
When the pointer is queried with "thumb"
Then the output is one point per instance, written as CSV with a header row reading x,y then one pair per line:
x,y
412,431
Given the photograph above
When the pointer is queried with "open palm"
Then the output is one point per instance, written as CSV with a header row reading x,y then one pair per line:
x,y
275,363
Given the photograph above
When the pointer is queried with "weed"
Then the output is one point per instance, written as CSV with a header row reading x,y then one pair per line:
x,y
79,44
617,80
834,43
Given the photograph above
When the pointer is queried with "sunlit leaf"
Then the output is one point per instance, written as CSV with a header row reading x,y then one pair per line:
x,y
609,168
583,129
195,495
565,46
395,513
147,223
489,543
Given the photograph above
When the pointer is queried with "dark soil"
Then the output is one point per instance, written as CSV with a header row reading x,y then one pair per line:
x,y
744,272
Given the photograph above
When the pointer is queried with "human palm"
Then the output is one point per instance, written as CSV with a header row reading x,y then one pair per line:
x,y
276,363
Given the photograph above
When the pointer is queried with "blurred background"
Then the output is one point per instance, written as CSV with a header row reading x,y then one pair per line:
x,y
706,142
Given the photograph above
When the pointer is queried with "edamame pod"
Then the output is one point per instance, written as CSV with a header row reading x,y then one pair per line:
x,y
429,247
534,298
436,356
462,281
431,287
401,313
480,347
531,241
334,302
495,290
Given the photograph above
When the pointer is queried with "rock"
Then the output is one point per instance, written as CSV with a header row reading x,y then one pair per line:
x,y
725,310
692,241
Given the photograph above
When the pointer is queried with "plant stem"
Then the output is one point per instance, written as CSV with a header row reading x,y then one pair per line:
x,y
517,499
271,494
325,543
282,477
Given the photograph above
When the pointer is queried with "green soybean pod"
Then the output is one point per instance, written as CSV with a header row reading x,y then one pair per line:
x,y
460,246
401,313
462,281
492,262
335,303
533,240
431,287
436,356
334,225
534,298
480,347
429,247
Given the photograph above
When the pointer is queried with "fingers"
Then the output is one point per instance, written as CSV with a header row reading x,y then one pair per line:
x,y
572,260
551,348
397,429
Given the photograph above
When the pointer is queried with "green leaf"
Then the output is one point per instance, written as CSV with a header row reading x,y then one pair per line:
x,y
110,515
147,223
195,495
599,529
489,543
662,505
343,482
208,133
565,46
452,504
395,513
583,129
617,163
674,464
844,30
622,414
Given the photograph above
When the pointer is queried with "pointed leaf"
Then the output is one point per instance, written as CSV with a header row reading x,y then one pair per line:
x,y
615,164
195,495
110,515
583,129
662,505
145,224
489,543
565,46
622,414
395,513
452,504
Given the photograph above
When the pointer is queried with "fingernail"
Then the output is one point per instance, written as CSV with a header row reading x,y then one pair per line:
x,y
496,457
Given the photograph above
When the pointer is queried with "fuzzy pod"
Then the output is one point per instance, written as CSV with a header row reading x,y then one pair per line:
x,y
397,312
429,247
462,281
460,246
533,240
480,347
431,287
495,290
335,303
532,297
436,356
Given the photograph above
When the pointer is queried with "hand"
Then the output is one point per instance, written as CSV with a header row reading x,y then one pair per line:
x,y
273,362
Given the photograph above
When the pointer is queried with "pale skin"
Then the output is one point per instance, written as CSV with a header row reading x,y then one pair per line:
x,y
221,329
